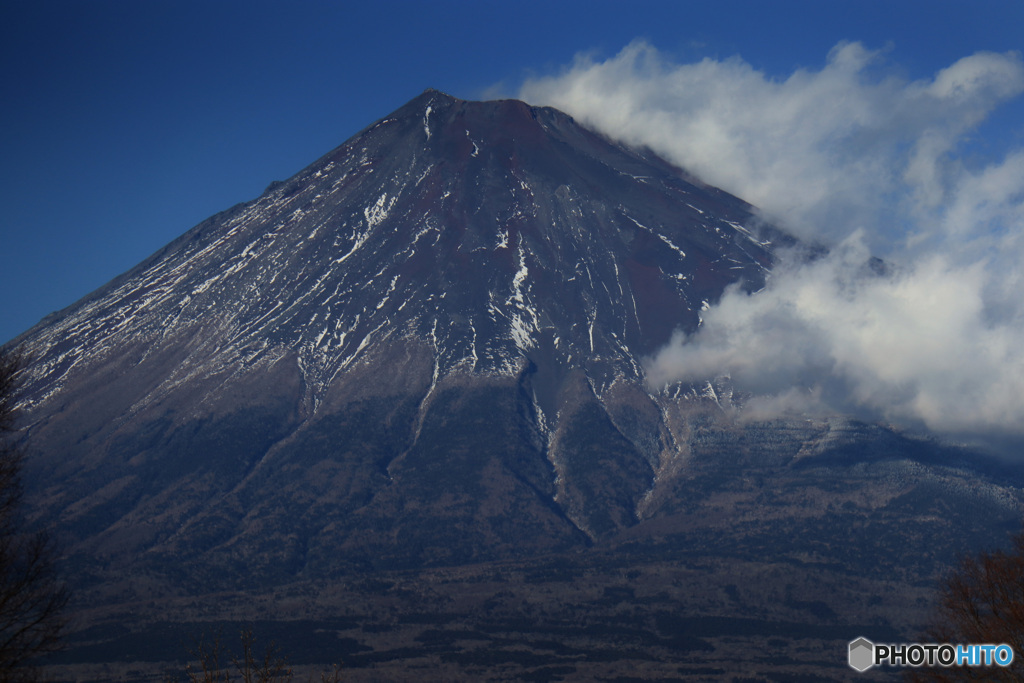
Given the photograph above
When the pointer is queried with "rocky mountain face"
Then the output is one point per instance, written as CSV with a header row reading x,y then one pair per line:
x,y
424,352
436,306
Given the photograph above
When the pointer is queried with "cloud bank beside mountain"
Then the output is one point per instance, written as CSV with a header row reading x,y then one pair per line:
x,y
870,163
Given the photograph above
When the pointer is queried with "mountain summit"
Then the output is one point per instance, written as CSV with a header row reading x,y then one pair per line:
x,y
495,232
425,351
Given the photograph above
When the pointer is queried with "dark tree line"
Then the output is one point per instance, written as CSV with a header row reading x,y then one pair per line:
x,y
31,596
211,665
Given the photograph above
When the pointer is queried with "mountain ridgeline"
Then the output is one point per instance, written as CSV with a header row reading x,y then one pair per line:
x,y
425,350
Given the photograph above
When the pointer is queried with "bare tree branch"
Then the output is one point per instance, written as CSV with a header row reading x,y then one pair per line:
x,y
32,598
982,602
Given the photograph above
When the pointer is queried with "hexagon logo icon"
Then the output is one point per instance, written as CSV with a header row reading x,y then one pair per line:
x,y
862,654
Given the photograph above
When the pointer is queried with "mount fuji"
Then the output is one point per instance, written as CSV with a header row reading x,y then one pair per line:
x,y
410,381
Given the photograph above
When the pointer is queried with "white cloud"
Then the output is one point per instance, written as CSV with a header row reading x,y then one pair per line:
x,y
866,161
917,346
826,150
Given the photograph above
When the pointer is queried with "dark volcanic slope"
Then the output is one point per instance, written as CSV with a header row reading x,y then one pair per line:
x,y
428,301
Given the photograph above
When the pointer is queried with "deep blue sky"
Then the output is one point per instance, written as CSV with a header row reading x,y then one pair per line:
x,y
125,123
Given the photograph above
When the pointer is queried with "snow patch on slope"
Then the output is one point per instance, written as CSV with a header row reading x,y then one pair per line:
x,y
379,211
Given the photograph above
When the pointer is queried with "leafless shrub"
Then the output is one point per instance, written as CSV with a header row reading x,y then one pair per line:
x,y
982,602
